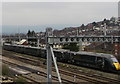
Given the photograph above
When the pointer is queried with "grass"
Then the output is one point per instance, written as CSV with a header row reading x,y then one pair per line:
x,y
5,70
20,80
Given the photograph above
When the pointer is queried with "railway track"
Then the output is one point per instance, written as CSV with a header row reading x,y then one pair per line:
x,y
31,81
87,77
35,71
110,80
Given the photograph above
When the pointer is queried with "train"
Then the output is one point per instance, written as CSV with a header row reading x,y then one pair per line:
x,y
101,61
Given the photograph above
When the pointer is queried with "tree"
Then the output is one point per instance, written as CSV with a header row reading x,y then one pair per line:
x,y
94,24
71,47
106,21
29,33
82,26
33,33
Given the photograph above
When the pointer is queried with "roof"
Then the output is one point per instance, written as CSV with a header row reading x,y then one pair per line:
x,y
22,41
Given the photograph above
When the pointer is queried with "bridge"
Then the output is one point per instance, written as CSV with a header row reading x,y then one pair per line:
x,y
71,39
77,39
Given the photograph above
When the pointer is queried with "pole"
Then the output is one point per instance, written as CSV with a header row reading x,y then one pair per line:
x,y
49,58
55,63
105,29
38,41
19,34
104,33
49,65
80,45
112,39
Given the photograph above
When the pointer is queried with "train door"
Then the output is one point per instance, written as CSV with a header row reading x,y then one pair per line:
x,y
100,62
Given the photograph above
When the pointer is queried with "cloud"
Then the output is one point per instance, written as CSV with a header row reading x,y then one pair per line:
x,y
60,13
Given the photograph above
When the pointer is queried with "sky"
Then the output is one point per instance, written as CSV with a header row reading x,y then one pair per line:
x,y
22,16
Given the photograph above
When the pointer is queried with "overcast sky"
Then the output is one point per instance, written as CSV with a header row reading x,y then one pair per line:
x,y
39,15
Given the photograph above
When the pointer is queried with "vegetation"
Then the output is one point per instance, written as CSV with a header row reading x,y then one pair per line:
x,y
31,33
33,44
20,80
94,24
71,47
82,26
5,70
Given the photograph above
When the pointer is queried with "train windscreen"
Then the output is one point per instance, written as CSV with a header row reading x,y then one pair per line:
x,y
114,60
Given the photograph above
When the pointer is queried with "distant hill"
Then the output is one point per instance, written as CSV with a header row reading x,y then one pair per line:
x,y
94,28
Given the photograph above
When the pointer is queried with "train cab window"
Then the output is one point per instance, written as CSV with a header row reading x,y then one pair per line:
x,y
114,60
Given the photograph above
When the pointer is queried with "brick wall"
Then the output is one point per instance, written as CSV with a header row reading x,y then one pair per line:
x,y
117,50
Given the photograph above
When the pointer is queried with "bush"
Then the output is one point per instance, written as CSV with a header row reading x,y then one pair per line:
x,y
20,81
71,47
5,70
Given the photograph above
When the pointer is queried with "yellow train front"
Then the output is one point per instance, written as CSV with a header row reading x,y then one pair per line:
x,y
111,63
115,63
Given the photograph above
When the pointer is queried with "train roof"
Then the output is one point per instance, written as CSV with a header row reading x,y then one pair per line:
x,y
87,53
94,54
63,50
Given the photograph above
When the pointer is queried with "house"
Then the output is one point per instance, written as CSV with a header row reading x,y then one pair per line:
x,y
22,42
